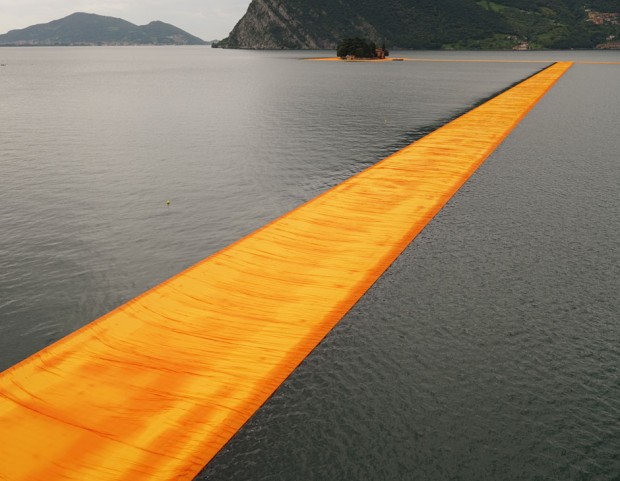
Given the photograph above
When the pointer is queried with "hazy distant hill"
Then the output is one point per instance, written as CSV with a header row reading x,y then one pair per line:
x,y
426,23
91,29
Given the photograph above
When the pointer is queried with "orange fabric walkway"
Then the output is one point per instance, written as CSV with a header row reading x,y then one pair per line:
x,y
155,388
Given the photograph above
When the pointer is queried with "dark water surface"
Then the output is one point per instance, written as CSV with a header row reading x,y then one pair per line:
x,y
490,349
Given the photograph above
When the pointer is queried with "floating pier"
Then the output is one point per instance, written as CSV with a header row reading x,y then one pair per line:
x,y
155,388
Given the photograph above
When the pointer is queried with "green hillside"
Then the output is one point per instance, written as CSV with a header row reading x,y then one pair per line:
x,y
425,24
555,24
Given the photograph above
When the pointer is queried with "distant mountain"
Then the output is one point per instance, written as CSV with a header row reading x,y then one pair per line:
x,y
427,24
91,29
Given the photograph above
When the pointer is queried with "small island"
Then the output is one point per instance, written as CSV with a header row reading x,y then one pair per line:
x,y
357,48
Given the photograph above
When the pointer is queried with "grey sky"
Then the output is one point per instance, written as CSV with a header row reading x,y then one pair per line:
x,y
207,19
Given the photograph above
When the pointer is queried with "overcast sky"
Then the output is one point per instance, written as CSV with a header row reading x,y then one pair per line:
x,y
207,19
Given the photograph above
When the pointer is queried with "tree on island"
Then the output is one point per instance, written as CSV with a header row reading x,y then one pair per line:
x,y
357,47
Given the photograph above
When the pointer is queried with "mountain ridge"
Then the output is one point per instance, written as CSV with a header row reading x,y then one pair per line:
x,y
91,29
426,24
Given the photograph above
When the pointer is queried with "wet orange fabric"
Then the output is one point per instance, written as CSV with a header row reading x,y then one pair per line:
x,y
155,388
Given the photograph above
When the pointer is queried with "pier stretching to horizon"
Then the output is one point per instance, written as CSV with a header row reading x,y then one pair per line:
x,y
155,388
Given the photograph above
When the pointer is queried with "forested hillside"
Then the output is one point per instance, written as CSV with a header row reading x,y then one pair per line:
x,y
427,24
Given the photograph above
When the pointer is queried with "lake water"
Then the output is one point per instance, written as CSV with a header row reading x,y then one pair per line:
x,y
490,349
